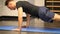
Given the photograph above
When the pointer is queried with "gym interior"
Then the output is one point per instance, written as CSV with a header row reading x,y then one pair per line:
x,y
10,18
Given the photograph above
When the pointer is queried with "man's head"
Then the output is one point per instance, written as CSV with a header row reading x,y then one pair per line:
x,y
11,4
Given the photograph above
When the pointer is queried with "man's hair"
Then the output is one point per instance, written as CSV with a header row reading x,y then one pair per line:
x,y
7,1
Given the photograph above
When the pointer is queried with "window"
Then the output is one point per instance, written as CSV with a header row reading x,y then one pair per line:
x,y
53,5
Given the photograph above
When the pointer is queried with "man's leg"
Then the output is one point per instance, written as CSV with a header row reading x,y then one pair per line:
x,y
56,17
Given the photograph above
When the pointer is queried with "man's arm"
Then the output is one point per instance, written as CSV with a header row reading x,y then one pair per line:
x,y
20,17
28,20
56,17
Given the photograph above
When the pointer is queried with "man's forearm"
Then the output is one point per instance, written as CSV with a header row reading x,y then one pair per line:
x,y
20,20
28,20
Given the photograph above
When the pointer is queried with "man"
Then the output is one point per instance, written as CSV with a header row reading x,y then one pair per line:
x,y
36,11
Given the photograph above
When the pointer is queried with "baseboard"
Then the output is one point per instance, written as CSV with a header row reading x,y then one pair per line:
x,y
10,18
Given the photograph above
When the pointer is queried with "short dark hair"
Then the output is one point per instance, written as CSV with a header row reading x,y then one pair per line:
x,y
7,1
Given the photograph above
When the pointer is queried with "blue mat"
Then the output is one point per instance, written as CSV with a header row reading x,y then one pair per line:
x,y
32,29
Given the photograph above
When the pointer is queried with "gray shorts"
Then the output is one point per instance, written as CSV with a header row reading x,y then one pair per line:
x,y
45,14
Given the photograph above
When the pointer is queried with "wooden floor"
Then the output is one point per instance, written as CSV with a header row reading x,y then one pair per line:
x,y
34,22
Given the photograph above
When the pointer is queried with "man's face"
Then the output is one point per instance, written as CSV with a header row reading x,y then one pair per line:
x,y
11,5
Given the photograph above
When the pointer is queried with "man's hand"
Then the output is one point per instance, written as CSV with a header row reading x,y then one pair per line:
x,y
17,29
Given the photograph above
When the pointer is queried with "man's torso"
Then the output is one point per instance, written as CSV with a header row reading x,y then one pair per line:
x,y
28,8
